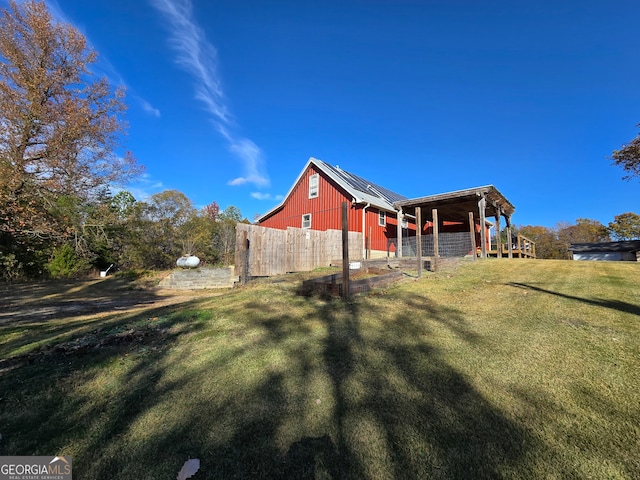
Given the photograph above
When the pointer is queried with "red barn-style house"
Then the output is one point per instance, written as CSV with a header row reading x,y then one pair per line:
x,y
316,197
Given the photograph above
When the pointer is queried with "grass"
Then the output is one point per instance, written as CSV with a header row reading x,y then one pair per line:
x,y
495,369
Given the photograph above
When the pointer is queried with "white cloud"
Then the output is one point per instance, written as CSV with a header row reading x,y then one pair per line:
x,y
197,56
237,181
266,196
147,107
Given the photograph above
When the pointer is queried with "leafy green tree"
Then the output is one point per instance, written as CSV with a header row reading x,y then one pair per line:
x,y
197,236
139,235
553,243
628,157
66,263
546,239
225,233
584,231
123,204
625,226
157,228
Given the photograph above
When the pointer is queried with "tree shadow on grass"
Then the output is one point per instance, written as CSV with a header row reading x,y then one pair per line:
x,y
335,394
35,383
397,409
611,423
414,415
598,302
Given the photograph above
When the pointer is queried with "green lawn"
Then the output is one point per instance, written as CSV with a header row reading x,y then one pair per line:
x,y
492,369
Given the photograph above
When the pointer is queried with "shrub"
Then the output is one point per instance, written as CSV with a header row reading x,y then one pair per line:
x,y
10,267
65,263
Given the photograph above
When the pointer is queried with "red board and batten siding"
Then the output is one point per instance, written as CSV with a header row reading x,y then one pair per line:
x,y
325,211
380,235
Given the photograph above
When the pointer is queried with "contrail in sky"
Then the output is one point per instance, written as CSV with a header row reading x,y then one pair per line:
x,y
198,57
103,66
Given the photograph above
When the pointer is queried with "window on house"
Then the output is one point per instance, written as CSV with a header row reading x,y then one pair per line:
x,y
382,218
313,185
306,220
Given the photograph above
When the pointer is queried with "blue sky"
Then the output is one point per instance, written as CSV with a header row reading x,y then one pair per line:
x,y
228,99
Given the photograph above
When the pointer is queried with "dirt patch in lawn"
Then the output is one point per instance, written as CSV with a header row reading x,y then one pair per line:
x,y
42,301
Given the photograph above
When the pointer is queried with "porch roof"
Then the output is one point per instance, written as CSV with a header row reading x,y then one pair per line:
x,y
455,206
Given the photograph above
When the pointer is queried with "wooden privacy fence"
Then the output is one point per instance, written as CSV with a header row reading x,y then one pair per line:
x,y
263,252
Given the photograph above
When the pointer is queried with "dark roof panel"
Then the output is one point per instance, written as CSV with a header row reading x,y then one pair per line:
x,y
623,246
362,185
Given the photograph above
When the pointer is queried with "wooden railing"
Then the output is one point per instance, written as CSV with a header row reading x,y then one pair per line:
x,y
521,247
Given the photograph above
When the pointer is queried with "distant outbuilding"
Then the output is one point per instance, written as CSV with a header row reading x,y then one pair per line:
x,y
625,251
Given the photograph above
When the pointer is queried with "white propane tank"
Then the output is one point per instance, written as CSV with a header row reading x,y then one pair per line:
x,y
188,261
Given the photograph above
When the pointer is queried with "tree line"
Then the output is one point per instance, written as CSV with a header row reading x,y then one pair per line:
x,y
554,242
118,231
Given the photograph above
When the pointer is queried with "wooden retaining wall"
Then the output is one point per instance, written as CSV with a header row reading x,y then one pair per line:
x,y
332,284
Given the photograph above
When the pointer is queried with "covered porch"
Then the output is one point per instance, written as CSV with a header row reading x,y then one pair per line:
x,y
467,210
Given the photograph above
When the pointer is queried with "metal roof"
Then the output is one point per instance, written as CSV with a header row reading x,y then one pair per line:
x,y
453,205
622,246
361,188
457,204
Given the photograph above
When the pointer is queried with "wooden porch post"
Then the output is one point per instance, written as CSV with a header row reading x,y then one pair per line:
x,y
498,236
472,232
400,217
509,239
436,242
482,204
419,240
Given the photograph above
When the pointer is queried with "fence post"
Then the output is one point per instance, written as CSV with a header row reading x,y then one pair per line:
x,y
345,250
419,239
243,257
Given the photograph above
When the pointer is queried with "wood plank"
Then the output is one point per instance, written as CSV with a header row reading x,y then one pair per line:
x,y
274,251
